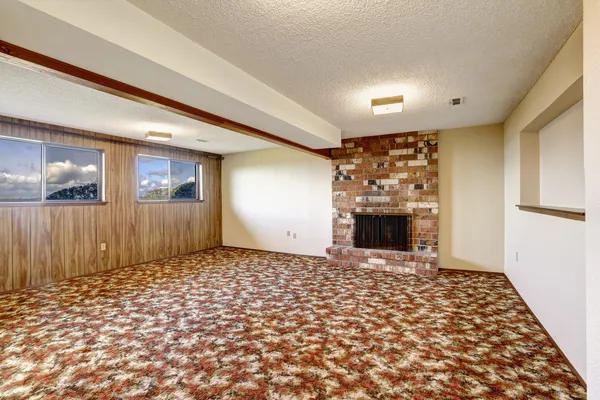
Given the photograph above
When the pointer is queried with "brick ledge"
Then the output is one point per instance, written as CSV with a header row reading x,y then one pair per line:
x,y
421,263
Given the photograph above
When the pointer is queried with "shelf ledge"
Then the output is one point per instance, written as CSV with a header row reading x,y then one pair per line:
x,y
577,214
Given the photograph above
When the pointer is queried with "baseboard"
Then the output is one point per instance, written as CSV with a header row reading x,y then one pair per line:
x,y
276,252
581,381
473,271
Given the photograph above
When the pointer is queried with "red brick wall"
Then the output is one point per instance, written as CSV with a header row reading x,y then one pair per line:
x,y
391,173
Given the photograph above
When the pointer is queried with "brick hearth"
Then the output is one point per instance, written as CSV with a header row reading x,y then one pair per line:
x,y
387,174
421,263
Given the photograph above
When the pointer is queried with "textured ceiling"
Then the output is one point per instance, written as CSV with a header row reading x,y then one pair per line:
x,y
31,95
333,56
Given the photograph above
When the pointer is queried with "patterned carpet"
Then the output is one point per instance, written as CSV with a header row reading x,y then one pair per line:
x,y
227,323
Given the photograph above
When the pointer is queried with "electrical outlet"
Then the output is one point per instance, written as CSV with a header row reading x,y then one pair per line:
x,y
294,236
102,246
288,233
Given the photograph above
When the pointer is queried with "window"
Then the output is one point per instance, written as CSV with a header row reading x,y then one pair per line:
x,y
72,174
32,171
162,179
153,178
20,171
183,180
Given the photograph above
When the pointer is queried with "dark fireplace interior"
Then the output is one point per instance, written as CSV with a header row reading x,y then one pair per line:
x,y
382,231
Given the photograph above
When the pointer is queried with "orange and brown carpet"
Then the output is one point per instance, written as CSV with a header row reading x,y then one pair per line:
x,y
239,324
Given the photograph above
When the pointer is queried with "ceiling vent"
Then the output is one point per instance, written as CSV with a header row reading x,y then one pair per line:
x,y
201,140
457,101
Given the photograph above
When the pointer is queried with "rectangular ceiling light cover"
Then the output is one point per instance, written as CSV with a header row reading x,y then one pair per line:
x,y
159,136
387,105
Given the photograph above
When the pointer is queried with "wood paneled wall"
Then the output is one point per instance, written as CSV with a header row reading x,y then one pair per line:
x,y
40,244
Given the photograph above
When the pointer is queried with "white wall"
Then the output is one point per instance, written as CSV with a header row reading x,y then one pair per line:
x,y
551,278
561,160
529,164
471,197
591,86
267,193
550,270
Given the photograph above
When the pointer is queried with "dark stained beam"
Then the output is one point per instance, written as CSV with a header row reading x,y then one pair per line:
x,y
53,67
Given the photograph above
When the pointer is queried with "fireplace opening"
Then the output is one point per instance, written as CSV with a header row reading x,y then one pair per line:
x,y
382,231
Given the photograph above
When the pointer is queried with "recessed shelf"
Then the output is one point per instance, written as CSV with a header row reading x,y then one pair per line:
x,y
577,214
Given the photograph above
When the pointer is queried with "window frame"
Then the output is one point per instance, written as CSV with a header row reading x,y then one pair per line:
x,y
199,182
43,177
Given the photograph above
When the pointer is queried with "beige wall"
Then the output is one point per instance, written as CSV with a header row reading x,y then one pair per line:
x,y
471,198
529,165
544,255
270,192
591,128
561,160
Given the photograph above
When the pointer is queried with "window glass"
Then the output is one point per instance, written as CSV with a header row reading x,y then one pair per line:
x,y
153,178
20,171
164,179
71,174
183,180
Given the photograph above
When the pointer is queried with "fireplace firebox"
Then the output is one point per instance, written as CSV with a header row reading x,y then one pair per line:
x,y
382,231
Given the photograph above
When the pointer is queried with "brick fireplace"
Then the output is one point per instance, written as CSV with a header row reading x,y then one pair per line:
x,y
379,176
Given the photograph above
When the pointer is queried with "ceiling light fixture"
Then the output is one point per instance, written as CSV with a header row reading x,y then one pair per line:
x,y
158,136
387,105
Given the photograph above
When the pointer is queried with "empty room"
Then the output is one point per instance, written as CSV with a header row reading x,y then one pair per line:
x,y
299,199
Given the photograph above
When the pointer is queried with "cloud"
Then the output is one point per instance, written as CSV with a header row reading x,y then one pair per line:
x,y
59,176
191,179
62,173
160,172
175,169
6,178
146,184
15,187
